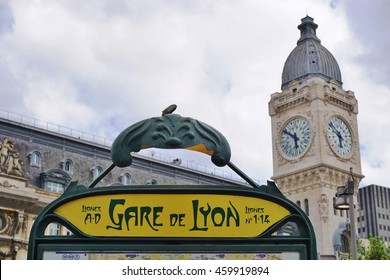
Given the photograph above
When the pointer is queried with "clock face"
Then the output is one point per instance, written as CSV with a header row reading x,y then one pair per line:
x,y
295,137
339,136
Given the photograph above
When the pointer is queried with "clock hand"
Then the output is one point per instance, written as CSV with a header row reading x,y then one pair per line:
x,y
337,133
296,139
340,139
331,125
285,131
293,136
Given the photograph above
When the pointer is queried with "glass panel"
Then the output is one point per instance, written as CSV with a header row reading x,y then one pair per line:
x,y
54,187
54,229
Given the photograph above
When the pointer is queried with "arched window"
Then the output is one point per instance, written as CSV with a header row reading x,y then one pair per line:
x,y
306,203
35,159
151,182
96,171
3,222
299,203
55,180
67,165
125,179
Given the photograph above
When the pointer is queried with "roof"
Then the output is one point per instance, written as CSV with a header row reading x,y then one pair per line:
x,y
309,58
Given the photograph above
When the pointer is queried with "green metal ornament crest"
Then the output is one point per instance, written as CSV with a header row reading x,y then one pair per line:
x,y
170,131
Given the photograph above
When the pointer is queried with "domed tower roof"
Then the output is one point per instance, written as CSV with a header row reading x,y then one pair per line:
x,y
309,58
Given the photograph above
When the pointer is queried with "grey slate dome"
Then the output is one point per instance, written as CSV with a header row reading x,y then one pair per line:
x,y
309,58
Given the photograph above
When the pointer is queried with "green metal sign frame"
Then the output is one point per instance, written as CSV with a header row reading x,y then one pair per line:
x,y
191,220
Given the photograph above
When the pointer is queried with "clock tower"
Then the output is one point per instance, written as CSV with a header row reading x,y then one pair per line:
x,y
315,136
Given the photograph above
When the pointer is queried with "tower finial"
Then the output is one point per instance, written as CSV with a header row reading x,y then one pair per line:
x,y
308,29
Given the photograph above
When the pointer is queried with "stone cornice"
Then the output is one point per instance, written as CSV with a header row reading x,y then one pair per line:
x,y
321,176
315,89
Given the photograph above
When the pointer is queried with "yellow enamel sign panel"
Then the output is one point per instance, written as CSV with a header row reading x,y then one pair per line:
x,y
172,215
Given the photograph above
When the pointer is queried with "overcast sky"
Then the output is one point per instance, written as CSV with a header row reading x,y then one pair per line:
x,y
100,66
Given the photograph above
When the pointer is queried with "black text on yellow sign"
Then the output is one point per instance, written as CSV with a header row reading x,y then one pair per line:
x,y
172,215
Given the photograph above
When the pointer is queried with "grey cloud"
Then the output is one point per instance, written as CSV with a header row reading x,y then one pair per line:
x,y
369,21
6,18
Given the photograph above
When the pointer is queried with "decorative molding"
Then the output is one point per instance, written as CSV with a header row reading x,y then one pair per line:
x,y
13,222
299,93
314,178
288,99
323,203
7,185
340,98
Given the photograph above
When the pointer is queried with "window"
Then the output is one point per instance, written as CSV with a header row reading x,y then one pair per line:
x,y
306,202
54,187
3,223
67,165
54,229
55,180
345,247
125,179
35,159
151,182
96,172
299,203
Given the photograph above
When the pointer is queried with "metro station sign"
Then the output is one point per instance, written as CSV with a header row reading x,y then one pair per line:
x,y
171,215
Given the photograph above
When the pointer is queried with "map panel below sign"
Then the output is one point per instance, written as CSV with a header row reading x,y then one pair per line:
x,y
74,255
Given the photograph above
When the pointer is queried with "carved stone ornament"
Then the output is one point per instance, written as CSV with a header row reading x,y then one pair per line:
x,y
8,221
10,161
323,206
6,184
